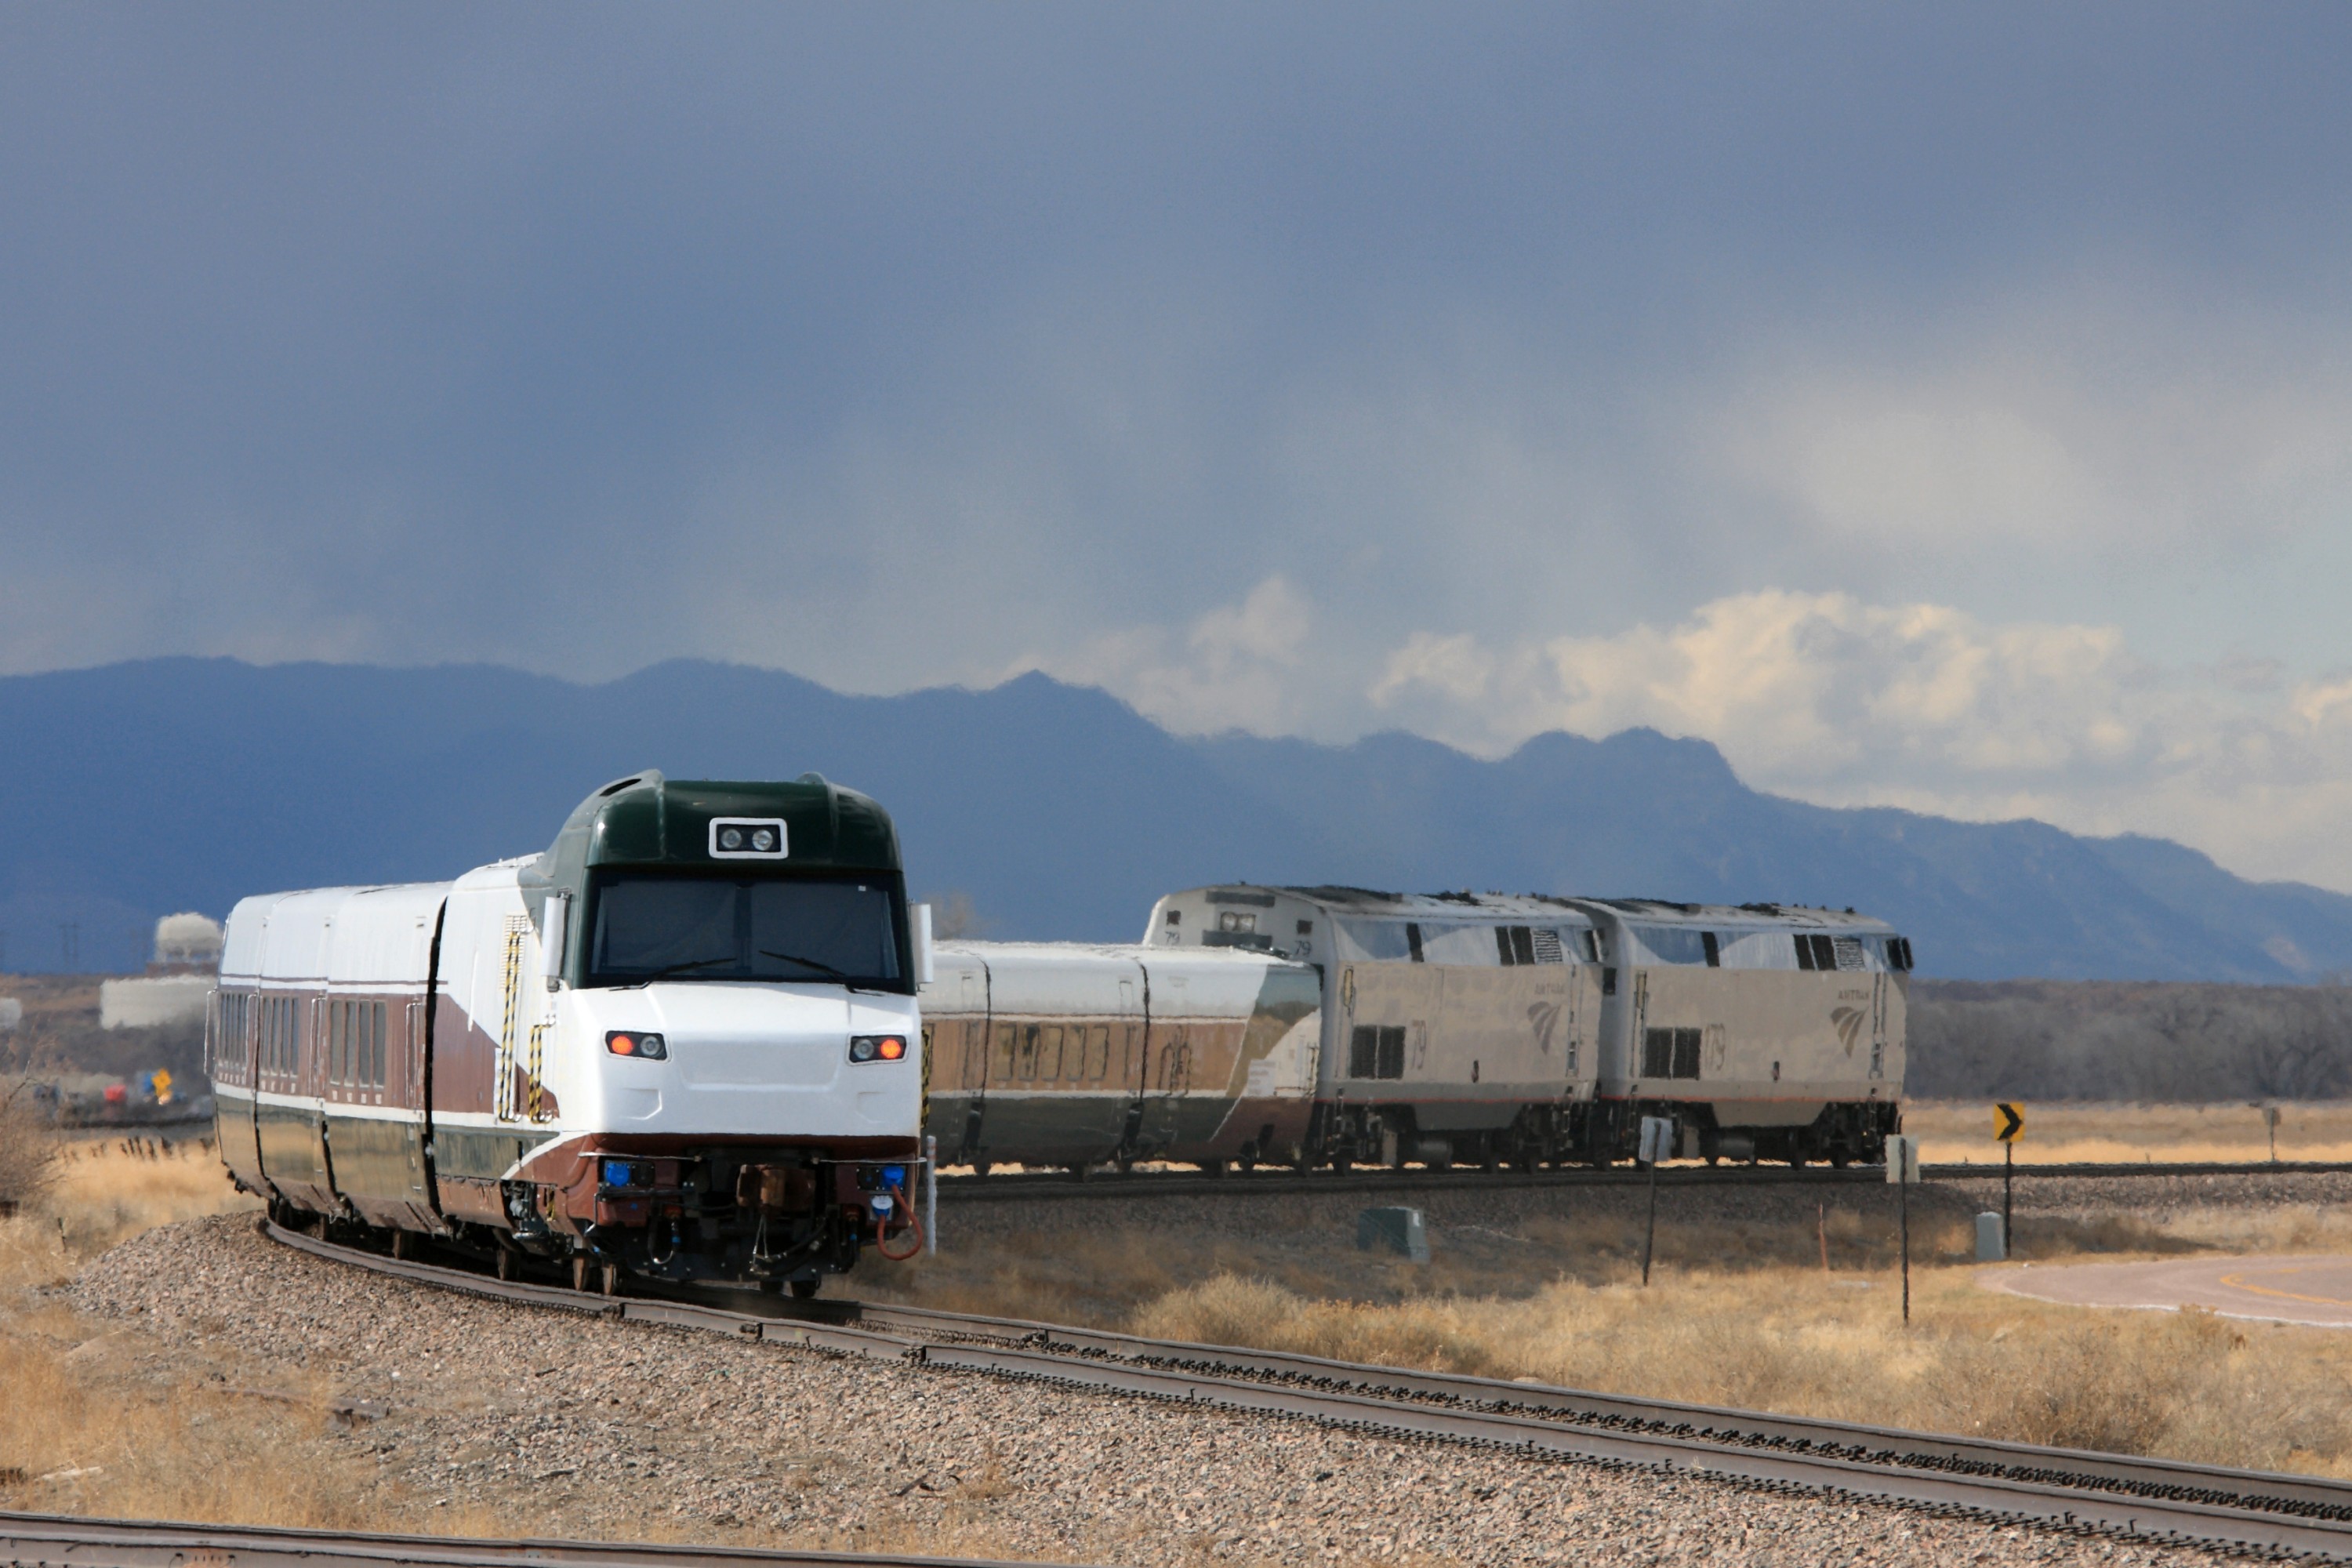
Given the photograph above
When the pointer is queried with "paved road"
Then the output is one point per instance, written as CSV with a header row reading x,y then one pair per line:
x,y
2280,1290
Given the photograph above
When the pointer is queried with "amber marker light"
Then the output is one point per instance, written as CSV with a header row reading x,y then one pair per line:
x,y
877,1047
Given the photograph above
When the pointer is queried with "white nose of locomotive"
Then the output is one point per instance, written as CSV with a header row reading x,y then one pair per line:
x,y
756,1058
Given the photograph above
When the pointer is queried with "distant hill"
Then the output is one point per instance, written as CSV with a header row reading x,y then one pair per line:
x,y
138,789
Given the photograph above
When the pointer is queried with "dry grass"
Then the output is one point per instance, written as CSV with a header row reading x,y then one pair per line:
x,y
84,1432
2187,1384
2076,1133
1554,1298
78,1441
1741,1314
100,1421
28,1151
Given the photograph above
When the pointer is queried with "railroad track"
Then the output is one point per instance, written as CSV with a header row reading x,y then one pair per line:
x,y
2164,1499
40,1541
1060,1186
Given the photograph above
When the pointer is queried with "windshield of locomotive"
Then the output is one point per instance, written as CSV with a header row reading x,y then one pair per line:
x,y
666,925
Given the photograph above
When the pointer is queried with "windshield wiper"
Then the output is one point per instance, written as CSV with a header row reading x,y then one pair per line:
x,y
807,964
682,968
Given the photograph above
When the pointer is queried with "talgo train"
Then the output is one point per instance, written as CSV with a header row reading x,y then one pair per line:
x,y
681,1043
1331,1027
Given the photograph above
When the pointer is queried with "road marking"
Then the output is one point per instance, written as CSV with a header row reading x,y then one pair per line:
x,y
2238,1282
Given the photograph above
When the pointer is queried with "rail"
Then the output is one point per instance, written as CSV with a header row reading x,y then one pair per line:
x,y
2151,1498
52,1539
1030,1186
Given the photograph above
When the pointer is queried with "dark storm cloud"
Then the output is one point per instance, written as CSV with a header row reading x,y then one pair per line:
x,y
578,337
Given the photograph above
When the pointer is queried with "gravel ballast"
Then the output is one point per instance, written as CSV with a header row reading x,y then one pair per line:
x,y
585,1428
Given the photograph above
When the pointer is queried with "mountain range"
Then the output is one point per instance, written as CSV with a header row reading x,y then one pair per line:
x,y
136,789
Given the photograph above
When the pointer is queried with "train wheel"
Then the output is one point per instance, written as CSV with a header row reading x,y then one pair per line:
x,y
1213,1168
505,1264
1079,1171
579,1271
610,1279
805,1289
979,1168
1840,1159
400,1245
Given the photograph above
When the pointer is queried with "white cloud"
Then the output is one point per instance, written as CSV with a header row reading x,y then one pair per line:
x,y
1827,698
1239,667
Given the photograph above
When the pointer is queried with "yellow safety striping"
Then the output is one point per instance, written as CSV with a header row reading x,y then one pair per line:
x,y
2238,1282
502,1099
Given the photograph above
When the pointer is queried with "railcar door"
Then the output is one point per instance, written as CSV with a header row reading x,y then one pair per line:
x,y
1166,1060
967,1029
1878,1025
1133,1045
409,1098
290,1123
319,1091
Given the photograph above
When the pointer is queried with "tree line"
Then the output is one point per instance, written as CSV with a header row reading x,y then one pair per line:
x,y
2058,1039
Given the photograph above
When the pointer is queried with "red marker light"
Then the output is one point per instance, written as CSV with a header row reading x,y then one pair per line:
x,y
638,1043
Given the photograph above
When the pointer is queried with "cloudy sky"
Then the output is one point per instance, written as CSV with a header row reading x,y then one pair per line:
x,y
1949,407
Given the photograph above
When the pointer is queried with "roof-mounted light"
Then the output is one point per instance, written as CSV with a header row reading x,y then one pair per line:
x,y
747,838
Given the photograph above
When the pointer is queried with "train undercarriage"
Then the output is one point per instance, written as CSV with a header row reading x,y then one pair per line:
x,y
751,1216
1597,1132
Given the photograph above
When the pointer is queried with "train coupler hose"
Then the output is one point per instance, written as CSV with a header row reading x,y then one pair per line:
x,y
914,1228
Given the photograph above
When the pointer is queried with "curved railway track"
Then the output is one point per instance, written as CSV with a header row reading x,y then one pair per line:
x,y
1060,1186
2162,1499
40,1541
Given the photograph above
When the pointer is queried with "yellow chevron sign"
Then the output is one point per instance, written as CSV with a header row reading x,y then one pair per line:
x,y
2009,1122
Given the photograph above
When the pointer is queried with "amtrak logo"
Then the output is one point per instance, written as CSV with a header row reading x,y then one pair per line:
x,y
1849,1025
1545,1017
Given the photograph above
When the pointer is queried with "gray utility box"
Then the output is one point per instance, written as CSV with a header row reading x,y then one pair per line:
x,y
1992,1245
1393,1230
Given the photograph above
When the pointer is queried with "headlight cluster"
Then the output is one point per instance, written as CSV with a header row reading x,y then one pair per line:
x,y
876,1047
638,1043
747,838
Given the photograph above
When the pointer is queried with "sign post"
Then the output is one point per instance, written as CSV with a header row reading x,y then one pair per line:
x,y
1903,1168
1657,1143
2009,1126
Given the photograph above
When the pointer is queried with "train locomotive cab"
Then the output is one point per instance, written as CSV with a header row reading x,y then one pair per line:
x,y
682,1044
1455,1028
1765,1031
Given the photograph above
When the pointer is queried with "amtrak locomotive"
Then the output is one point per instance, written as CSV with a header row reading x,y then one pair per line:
x,y
679,1044
1331,1027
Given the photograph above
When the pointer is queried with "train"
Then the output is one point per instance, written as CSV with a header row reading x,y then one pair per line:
x,y
704,1036
681,1043
1328,1028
